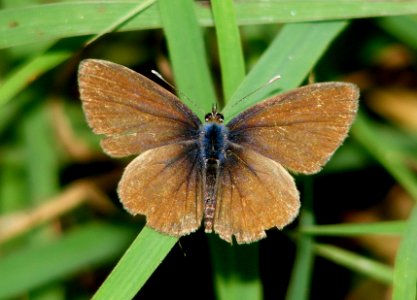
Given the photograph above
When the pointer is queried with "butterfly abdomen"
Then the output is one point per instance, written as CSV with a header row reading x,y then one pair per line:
x,y
213,144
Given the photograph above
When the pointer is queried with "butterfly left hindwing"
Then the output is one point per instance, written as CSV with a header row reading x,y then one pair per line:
x,y
164,184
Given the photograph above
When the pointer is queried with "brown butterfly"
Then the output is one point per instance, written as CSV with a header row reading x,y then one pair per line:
x,y
233,176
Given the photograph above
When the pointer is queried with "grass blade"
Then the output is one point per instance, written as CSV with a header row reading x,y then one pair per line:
x,y
353,261
299,285
122,20
405,272
55,55
150,247
230,50
402,28
46,22
188,55
236,269
136,266
388,155
292,55
389,227
19,78
36,265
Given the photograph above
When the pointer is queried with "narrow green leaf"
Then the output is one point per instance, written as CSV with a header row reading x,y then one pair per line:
x,y
37,265
385,152
403,28
39,144
46,22
136,266
235,269
355,262
23,75
230,50
188,55
299,286
120,21
186,47
405,271
386,228
56,54
291,55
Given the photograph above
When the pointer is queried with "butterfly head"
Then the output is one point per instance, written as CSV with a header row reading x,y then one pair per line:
x,y
214,116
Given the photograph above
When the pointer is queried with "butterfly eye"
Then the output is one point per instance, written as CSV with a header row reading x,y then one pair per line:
x,y
220,118
207,117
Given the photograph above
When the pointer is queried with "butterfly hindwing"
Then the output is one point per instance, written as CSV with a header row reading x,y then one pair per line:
x,y
255,194
164,184
301,128
134,113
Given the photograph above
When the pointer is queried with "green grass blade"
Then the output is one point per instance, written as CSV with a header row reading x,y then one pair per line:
x,y
188,58
23,75
58,53
235,269
230,50
40,264
403,28
355,262
251,12
299,285
46,22
388,155
292,55
188,55
123,19
405,271
385,228
39,143
55,55
136,266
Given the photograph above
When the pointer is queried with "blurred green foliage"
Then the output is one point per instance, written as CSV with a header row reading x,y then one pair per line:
x,y
62,229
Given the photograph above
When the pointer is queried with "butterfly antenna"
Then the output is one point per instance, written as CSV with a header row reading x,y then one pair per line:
x,y
157,74
273,79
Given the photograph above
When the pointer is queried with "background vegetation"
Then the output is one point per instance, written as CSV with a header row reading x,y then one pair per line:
x,y
62,229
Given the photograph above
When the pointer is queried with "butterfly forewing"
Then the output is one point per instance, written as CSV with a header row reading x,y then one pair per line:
x,y
134,113
299,129
164,184
256,193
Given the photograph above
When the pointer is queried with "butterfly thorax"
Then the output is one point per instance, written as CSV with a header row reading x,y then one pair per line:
x,y
213,145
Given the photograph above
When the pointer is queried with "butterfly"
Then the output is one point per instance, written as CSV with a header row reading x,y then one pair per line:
x,y
233,176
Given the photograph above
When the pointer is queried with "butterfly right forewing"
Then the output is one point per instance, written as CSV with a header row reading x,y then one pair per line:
x,y
301,128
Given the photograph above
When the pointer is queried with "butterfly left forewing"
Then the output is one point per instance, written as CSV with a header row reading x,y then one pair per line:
x,y
255,194
164,184
301,128
132,112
